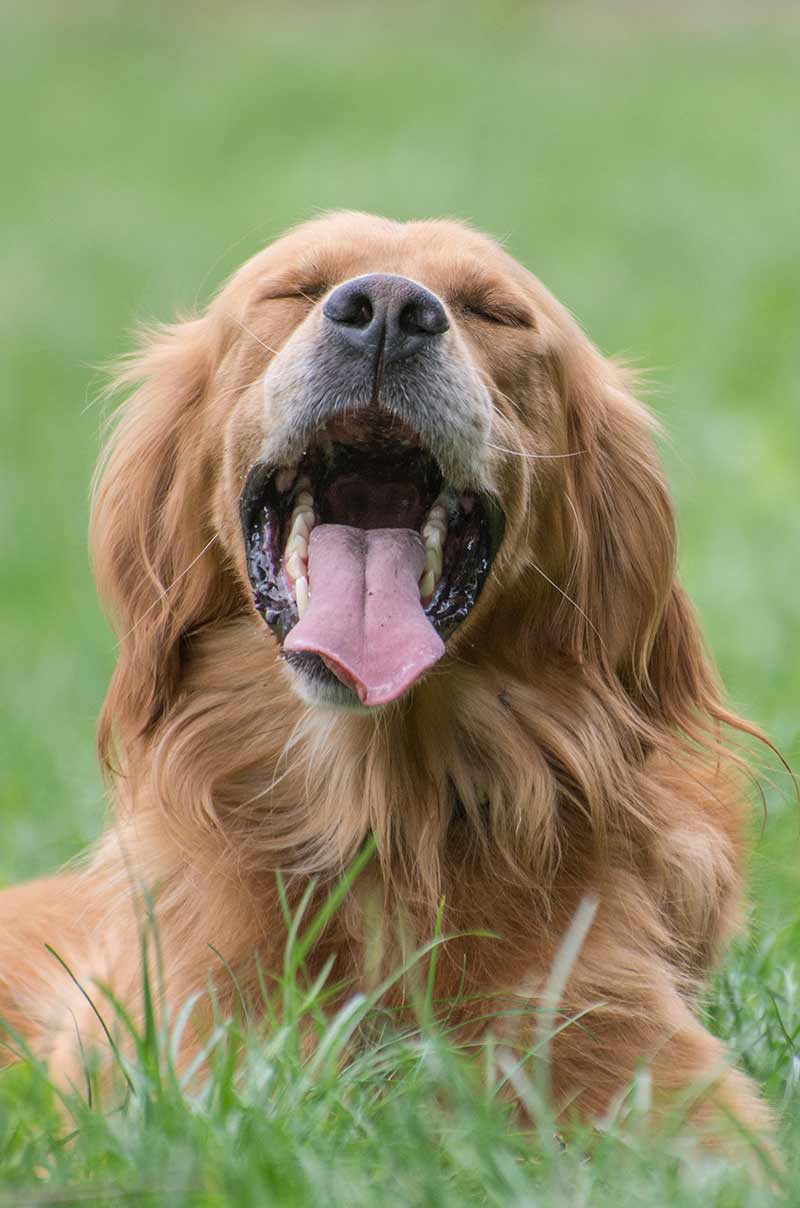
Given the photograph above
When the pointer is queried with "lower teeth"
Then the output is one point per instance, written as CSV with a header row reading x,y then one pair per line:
x,y
301,594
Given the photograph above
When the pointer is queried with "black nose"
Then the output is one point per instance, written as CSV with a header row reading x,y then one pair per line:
x,y
388,312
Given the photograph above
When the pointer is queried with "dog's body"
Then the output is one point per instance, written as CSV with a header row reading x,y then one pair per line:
x,y
561,739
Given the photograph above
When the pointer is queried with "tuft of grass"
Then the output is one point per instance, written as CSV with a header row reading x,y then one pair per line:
x,y
371,1109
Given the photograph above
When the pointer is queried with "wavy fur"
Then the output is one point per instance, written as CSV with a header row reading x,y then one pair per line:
x,y
572,741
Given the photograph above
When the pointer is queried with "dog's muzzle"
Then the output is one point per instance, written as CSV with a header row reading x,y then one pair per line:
x,y
368,526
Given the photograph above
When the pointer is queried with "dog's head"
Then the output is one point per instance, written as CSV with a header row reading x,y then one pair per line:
x,y
396,453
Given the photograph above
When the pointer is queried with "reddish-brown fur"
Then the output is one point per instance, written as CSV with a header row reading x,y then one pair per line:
x,y
576,716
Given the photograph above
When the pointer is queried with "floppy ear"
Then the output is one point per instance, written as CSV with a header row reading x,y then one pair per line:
x,y
633,614
153,548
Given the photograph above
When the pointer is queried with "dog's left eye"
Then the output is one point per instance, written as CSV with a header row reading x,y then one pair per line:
x,y
500,314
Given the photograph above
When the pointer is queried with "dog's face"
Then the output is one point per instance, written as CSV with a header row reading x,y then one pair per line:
x,y
367,460
391,447
373,460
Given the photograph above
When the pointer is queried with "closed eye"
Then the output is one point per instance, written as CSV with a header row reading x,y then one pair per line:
x,y
307,292
501,313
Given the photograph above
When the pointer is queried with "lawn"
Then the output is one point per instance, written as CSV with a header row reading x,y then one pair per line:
x,y
650,176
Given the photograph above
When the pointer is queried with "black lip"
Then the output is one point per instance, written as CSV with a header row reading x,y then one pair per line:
x,y
472,544
259,511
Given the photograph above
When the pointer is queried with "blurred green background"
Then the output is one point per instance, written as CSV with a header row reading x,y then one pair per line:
x,y
643,163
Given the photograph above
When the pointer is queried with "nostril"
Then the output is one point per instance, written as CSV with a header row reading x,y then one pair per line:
x,y
352,308
408,319
364,313
423,316
361,312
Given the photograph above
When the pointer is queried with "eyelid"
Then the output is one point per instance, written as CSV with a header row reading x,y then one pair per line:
x,y
311,292
503,314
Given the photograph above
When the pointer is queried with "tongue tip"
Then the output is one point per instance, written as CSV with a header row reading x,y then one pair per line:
x,y
373,693
383,695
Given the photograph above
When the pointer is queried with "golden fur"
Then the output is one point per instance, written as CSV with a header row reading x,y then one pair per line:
x,y
572,740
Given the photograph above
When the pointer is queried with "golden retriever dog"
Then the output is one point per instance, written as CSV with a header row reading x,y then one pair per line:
x,y
392,561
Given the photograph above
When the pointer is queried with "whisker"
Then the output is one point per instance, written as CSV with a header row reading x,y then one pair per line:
x,y
239,389
574,604
168,589
495,390
252,334
535,456
276,777
520,411
262,229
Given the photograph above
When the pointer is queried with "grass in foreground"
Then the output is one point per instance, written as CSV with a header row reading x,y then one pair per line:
x,y
374,1113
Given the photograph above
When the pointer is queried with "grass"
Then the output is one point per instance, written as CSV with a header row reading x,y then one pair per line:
x,y
648,176
408,1115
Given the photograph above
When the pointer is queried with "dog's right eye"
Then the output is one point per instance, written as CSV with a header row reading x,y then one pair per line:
x,y
310,292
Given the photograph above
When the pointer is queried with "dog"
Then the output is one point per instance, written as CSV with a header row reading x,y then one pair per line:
x,y
392,560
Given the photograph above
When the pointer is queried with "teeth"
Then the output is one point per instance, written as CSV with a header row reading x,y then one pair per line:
x,y
302,521
295,555
296,566
434,534
298,544
433,560
427,585
301,594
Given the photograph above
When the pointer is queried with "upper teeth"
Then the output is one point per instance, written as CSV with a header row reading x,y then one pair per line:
x,y
295,558
303,519
434,534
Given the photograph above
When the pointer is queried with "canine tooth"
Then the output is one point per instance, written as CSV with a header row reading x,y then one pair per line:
x,y
297,545
296,566
302,523
427,584
304,499
433,560
301,594
302,514
438,514
434,538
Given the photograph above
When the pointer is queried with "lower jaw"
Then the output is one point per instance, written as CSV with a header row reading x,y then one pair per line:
x,y
318,687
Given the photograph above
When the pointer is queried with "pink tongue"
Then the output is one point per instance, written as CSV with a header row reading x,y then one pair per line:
x,y
365,618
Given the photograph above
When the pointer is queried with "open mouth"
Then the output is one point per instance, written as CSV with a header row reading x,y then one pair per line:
x,y
362,558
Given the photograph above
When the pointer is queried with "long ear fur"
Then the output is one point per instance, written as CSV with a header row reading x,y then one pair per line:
x,y
152,544
633,617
